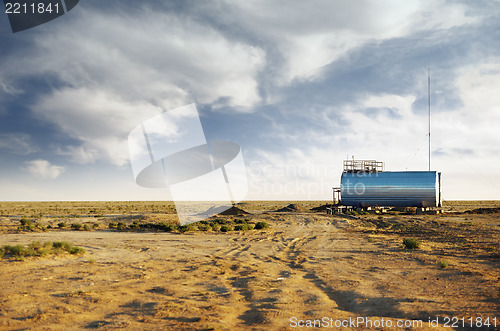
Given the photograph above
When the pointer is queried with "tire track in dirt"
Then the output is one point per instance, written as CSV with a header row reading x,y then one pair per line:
x,y
316,238
320,240
246,277
303,266
265,284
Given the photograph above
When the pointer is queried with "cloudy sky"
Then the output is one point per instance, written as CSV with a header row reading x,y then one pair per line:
x,y
299,85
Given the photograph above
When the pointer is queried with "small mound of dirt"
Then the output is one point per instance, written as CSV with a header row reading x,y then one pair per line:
x,y
234,211
293,208
223,210
213,211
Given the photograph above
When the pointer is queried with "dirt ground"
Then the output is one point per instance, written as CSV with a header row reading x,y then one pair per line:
x,y
307,269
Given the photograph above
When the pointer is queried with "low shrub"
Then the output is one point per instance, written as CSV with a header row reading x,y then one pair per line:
x,y
75,250
219,224
35,248
76,226
35,245
62,225
220,221
26,222
86,227
411,243
226,228
261,225
43,251
166,227
186,228
121,226
443,264
17,250
61,244
204,227
162,226
243,227
135,224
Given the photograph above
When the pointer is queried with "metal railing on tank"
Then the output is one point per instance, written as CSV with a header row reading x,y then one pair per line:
x,y
363,166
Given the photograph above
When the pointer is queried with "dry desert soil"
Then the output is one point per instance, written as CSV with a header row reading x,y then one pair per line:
x,y
307,269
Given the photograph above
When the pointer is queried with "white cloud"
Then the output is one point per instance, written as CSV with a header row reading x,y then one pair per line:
x,y
43,169
386,128
306,55
97,118
17,143
146,56
475,125
308,36
118,70
442,15
383,127
468,137
8,89
87,153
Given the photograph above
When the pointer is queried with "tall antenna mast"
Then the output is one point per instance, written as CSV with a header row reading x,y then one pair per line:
x,y
429,106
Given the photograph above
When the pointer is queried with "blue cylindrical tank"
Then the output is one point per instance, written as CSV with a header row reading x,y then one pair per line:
x,y
391,189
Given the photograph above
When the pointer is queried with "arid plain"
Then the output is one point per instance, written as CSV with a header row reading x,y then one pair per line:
x,y
307,266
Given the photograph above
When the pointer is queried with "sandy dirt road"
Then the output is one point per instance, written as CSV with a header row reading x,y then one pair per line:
x,y
306,267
